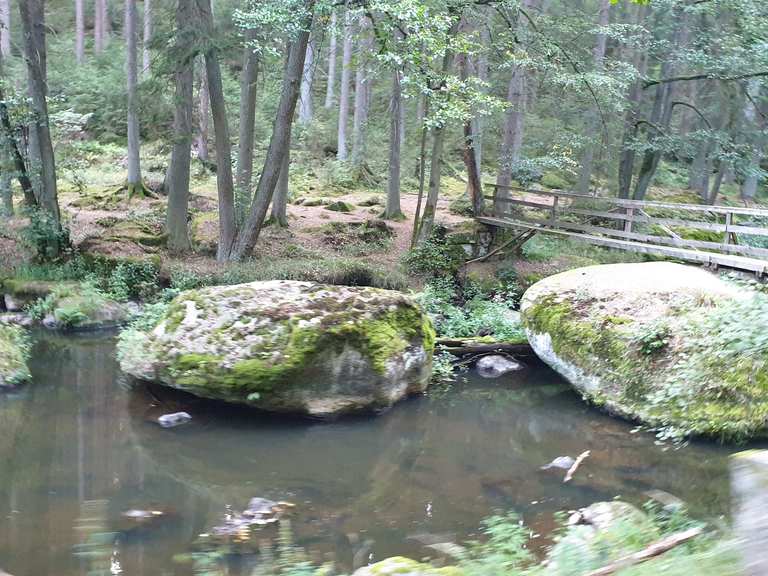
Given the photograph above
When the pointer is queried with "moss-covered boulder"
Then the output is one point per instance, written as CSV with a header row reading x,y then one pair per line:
x,y
287,346
14,349
672,346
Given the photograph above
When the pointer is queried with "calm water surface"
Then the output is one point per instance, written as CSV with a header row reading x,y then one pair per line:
x,y
78,447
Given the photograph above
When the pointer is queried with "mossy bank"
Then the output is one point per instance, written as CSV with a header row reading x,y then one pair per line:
x,y
287,346
672,346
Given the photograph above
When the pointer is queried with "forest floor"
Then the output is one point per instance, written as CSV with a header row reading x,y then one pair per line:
x,y
102,220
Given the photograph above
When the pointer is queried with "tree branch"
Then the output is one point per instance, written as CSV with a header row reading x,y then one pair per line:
x,y
692,107
688,78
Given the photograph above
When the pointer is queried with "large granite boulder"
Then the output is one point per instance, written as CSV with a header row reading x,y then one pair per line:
x,y
672,346
287,346
14,349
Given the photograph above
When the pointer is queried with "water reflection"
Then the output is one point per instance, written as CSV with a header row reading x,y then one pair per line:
x,y
77,450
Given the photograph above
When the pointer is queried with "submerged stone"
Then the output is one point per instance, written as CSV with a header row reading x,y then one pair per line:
x,y
496,365
14,350
287,346
660,343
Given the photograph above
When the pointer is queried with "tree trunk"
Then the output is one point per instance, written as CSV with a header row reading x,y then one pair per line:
x,y
12,148
33,24
224,181
662,111
481,69
279,142
79,31
204,113
593,119
511,134
280,201
627,154
751,179
306,111
392,210
474,186
146,56
5,31
436,163
178,171
98,26
134,184
6,169
330,87
248,78
344,97
423,110
362,94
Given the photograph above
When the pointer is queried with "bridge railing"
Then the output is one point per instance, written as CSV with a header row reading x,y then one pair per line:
x,y
648,222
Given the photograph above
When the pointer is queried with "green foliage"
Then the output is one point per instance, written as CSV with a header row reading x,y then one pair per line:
x,y
442,368
119,280
653,338
436,256
312,267
45,236
481,315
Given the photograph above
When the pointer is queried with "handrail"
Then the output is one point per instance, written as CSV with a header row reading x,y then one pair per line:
x,y
719,209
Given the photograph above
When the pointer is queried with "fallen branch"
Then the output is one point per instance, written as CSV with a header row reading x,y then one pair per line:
x,y
572,470
521,238
655,549
460,347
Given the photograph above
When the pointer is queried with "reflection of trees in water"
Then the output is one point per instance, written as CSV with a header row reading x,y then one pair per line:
x,y
63,446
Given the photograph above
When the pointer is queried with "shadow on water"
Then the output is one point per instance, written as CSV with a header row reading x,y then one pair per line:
x,y
78,448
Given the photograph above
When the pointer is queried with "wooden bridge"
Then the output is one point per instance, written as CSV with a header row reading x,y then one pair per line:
x,y
657,228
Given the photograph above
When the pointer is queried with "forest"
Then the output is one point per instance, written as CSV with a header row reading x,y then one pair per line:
x,y
365,287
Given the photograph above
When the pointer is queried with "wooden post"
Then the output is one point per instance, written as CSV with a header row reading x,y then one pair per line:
x,y
553,218
495,202
628,221
728,223
749,477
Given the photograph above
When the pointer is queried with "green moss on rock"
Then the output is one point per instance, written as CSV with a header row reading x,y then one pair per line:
x,y
288,346
672,360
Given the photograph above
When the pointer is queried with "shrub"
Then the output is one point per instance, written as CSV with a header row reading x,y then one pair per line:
x,y
44,236
435,256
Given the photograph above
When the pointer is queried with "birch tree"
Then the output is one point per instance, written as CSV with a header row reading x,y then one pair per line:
x,y
146,60
248,79
345,87
593,120
5,28
134,184
332,44
79,31
306,111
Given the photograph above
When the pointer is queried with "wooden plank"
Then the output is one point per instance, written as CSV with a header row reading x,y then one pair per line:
x,y
709,258
645,203
517,202
711,226
667,241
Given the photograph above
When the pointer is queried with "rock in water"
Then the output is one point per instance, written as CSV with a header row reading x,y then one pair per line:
x,y
561,462
649,342
287,346
14,349
496,365
173,420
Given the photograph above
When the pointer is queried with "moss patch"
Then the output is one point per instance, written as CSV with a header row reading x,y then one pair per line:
x,y
699,369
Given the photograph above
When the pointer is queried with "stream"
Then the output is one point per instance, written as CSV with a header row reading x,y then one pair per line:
x,y
79,447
